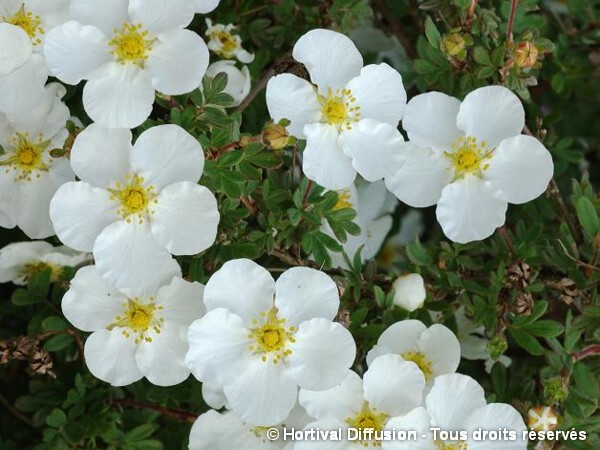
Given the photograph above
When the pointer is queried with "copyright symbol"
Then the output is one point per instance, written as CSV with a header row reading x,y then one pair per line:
x,y
272,434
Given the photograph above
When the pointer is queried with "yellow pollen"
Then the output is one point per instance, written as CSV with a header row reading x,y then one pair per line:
x,y
339,109
421,361
131,44
228,41
344,199
468,156
35,267
368,418
27,22
139,319
270,337
135,198
25,156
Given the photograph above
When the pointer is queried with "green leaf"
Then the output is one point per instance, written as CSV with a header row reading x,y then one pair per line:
x,y
23,297
58,342
418,254
432,33
482,56
588,216
544,328
56,419
527,342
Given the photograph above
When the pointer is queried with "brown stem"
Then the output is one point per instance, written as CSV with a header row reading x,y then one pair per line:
x,y
511,21
507,241
307,193
15,412
177,414
555,194
249,204
592,350
288,259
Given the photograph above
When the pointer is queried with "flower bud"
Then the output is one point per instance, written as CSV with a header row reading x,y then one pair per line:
x,y
454,44
498,346
276,137
526,55
409,291
542,418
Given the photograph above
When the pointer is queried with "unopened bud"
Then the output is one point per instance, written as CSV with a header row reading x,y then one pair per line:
x,y
526,54
555,390
542,418
497,346
454,44
276,137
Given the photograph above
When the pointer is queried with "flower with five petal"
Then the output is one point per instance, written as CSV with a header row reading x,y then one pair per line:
x,y
222,42
135,204
347,113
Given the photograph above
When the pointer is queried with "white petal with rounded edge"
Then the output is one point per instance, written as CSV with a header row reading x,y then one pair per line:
x,y
393,386
380,93
399,338
327,424
213,430
521,167
110,356
158,16
418,420
340,402
162,360
321,355
470,209
421,178
91,304
302,293
430,120
128,257
452,400
185,218
491,114
121,98
409,291
177,62
100,156
79,213
263,395
496,416
218,347
375,148
74,51
106,15
206,6
14,256
165,154
213,395
15,49
241,286
290,97
331,58
324,160
440,345
23,88
181,301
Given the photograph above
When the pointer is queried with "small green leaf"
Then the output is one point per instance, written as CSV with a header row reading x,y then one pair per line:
x,y
56,419
432,33
588,216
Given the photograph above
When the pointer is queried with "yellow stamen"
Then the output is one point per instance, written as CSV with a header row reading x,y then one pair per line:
x,y
368,418
131,44
421,361
28,22
271,337
139,319
135,198
339,109
25,156
468,156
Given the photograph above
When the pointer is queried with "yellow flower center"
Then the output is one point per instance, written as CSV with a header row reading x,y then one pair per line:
x,y
227,40
270,336
135,198
468,156
131,44
457,445
25,156
35,267
339,108
29,23
368,418
139,319
421,361
344,199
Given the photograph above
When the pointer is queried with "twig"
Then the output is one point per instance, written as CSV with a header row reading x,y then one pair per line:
x,y
15,412
307,193
575,260
249,204
288,259
507,241
511,22
592,350
555,194
177,414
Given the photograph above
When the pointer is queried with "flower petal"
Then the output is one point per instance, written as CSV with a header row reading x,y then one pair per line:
x,y
241,286
110,356
128,257
74,51
399,338
206,6
339,402
420,180
181,301
380,93
106,15
375,148
79,213
324,161
418,420
263,395
177,62
213,430
91,304
386,385
470,209
100,156
158,16
16,48
497,416
491,114
290,97
409,291
521,167
213,395
331,58
14,256
430,120
166,154
218,347
185,218
302,293
321,355
23,88
121,98
441,347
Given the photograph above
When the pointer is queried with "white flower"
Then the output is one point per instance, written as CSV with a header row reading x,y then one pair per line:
x,y
238,81
127,50
135,204
471,159
542,418
35,17
206,6
20,260
435,349
23,73
134,335
409,291
411,227
349,119
456,403
373,216
29,176
225,44
226,431
391,387
262,339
